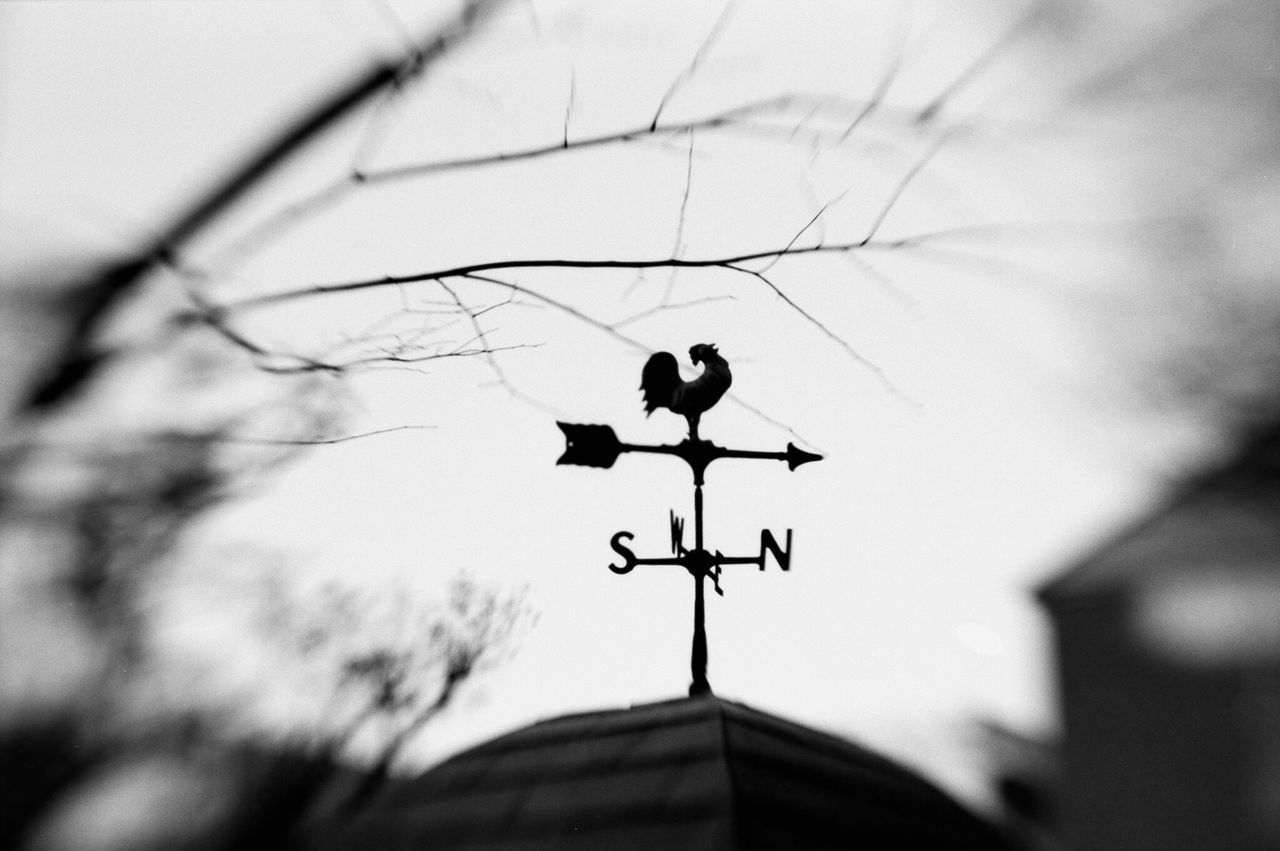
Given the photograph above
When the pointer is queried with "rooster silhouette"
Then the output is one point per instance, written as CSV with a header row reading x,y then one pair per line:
x,y
663,388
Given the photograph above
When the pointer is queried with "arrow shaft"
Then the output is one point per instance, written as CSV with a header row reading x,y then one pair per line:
x,y
751,453
678,560
688,558
664,449
723,560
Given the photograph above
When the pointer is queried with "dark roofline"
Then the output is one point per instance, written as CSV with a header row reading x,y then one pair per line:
x,y
692,710
690,770
1254,464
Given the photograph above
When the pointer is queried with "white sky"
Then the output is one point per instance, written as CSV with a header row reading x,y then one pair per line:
x,y
918,539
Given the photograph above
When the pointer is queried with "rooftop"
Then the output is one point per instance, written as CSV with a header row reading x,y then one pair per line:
x,y
691,773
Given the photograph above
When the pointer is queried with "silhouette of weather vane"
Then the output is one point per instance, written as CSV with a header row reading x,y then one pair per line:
x,y
599,446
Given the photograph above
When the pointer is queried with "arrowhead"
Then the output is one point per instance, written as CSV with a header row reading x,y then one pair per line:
x,y
795,457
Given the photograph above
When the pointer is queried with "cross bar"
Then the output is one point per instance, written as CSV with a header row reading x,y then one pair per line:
x,y
588,445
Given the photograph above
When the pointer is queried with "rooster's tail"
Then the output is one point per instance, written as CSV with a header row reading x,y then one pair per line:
x,y
659,380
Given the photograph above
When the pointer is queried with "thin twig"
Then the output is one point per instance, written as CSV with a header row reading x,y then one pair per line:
x,y
787,248
678,245
974,68
314,365
905,181
692,68
326,441
834,337
568,107
560,305
882,87
732,117
396,23
636,317
629,341
480,333
886,284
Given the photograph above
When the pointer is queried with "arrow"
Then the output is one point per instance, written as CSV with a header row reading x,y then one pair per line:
x,y
794,456
598,446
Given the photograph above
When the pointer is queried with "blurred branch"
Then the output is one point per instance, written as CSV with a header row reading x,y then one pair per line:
x,y
91,301
980,63
319,441
645,314
698,57
292,363
882,87
678,245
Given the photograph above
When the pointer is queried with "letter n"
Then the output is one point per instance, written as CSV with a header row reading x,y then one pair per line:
x,y
770,544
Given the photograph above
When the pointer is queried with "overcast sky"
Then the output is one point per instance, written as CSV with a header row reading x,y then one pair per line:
x,y
976,438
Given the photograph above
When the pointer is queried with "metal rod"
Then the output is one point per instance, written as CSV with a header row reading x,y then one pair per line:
x,y
697,515
698,659
662,448
750,453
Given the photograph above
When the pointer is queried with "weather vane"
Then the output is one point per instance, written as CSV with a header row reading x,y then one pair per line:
x,y
598,446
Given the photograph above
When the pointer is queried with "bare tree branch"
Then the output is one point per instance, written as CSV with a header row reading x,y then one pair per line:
x,y
733,117
978,65
662,308
881,89
475,270
678,245
95,298
480,333
786,249
698,57
396,24
312,365
562,306
834,337
568,107
887,284
904,182
612,331
319,441
295,363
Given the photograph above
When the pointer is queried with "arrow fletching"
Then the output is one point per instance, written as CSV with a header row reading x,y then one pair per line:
x,y
589,445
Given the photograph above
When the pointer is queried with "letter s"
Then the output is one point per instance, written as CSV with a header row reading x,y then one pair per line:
x,y
623,550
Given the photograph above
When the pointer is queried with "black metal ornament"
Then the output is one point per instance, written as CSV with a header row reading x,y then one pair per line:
x,y
598,446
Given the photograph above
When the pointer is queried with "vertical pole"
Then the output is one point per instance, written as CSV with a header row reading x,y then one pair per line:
x,y
697,512
700,685
698,661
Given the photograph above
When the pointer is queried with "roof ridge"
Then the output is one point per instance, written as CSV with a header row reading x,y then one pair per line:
x,y
735,826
